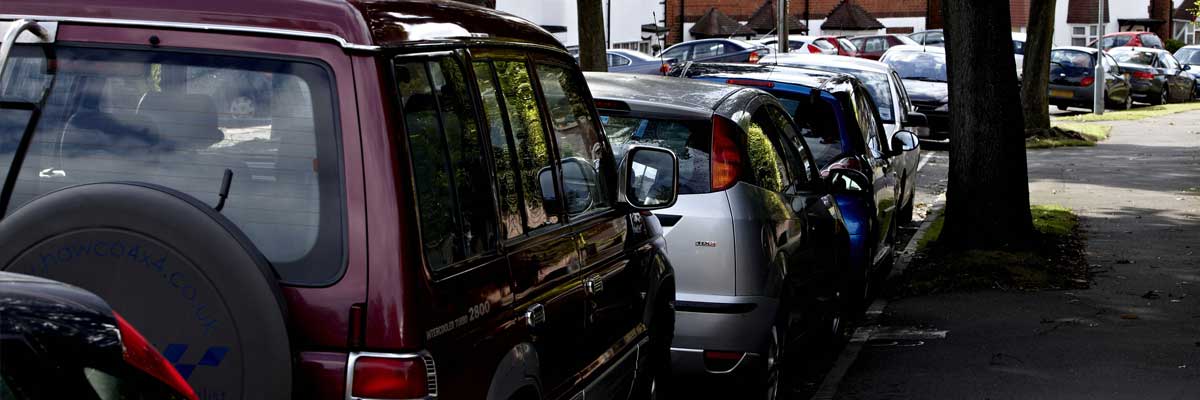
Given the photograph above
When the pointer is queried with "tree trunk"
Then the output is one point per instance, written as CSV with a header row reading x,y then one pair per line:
x,y
1037,65
987,198
592,56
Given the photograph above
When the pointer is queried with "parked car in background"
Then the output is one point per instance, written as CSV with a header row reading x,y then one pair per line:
x,y
745,174
510,257
923,71
896,111
716,50
1127,39
932,37
1154,74
803,44
936,37
841,123
1190,56
58,341
872,47
636,62
1072,76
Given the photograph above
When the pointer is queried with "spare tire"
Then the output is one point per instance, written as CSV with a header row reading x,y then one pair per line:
x,y
179,271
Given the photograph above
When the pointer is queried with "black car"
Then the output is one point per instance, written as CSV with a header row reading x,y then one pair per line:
x,y
1155,75
716,50
58,341
923,70
1072,76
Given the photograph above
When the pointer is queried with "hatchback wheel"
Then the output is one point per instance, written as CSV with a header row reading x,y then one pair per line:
x,y
774,356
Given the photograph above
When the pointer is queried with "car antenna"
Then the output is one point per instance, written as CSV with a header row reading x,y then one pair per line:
x,y
225,181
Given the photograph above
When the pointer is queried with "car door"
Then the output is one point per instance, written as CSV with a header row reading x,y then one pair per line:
x,y
539,246
1181,85
1117,84
882,170
609,277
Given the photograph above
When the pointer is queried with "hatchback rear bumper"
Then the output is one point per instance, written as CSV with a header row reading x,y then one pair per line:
x,y
740,324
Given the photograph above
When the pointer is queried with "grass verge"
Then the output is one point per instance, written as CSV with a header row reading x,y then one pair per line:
x,y
1056,260
1134,114
1068,135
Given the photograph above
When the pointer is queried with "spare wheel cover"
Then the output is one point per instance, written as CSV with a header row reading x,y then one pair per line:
x,y
177,270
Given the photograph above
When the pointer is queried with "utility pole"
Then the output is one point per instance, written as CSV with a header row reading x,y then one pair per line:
x,y
1098,93
781,30
608,22
807,21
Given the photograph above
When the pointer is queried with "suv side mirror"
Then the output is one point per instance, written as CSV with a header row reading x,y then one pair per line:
x,y
845,180
649,178
916,119
904,141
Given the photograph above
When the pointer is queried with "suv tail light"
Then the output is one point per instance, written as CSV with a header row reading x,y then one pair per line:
x,y
391,376
1087,81
754,56
726,154
1142,75
141,355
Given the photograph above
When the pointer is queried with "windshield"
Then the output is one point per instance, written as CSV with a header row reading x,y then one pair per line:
x,y
878,84
920,66
181,120
1070,59
689,139
1134,57
1189,56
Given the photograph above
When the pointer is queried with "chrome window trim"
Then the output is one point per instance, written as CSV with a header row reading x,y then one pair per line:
x,y
426,358
345,44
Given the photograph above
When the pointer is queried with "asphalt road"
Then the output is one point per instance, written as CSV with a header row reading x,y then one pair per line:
x,y
1135,334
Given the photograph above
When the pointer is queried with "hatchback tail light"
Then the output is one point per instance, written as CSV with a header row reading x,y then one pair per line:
x,y
391,376
1142,75
1087,81
726,154
754,57
141,355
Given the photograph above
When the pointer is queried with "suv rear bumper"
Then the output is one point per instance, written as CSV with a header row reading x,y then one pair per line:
x,y
720,323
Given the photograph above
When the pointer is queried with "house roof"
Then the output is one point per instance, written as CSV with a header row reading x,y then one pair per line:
x,y
1084,12
1185,11
848,16
764,21
715,23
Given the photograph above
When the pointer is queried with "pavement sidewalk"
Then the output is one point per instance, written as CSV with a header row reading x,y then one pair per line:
x,y
1134,334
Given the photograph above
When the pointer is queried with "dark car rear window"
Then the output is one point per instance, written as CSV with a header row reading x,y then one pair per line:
x,y
1134,57
691,140
1070,59
181,120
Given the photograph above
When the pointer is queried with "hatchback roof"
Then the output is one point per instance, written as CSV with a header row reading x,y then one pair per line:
x,y
357,24
918,48
660,90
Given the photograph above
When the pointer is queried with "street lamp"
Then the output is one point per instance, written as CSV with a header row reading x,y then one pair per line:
x,y
1098,92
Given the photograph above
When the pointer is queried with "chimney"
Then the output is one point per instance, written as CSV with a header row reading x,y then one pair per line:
x,y
1162,11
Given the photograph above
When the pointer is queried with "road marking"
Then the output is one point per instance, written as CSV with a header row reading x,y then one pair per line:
x,y
924,160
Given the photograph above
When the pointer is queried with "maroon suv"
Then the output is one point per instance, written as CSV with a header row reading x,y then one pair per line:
x,y
332,199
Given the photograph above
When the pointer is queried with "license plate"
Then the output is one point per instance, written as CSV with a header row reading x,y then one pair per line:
x,y
1062,93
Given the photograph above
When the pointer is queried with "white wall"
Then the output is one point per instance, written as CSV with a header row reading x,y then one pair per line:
x,y
626,26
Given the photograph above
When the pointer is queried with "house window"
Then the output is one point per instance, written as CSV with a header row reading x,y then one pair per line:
x,y
1082,35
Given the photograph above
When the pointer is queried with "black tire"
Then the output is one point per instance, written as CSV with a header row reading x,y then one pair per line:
x,y
1164,96
178,271
906,211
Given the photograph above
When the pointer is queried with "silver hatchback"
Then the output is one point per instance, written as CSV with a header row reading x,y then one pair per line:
x,y
757,241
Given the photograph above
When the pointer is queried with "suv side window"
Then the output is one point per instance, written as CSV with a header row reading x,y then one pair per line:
x,y
580,145
530,145
767,161
447,161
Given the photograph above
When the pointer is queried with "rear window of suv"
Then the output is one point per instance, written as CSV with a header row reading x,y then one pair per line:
x,y
181,120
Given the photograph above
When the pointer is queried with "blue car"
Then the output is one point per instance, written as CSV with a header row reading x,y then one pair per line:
x,y
842,127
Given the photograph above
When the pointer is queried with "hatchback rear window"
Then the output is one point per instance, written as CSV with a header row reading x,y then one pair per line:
x,y
691,140
181,120
1071,59
1134,57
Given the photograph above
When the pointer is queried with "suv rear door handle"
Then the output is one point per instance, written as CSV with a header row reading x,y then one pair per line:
x,y
593,285
535,315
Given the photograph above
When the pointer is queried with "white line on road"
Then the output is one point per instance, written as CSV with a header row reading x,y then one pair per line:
x,y
924,160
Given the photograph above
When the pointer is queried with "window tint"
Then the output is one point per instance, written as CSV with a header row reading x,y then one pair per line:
x,y
452,182
503,153
690,140
705,50
767,164
818,126
531,145
180,120
875,45
580,146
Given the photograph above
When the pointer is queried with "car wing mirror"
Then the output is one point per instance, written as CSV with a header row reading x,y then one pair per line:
x,y
649,178
903,141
